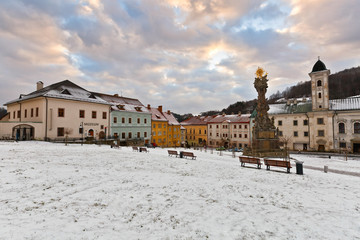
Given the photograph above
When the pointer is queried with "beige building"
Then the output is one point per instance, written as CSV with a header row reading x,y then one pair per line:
x,y
55,111
319,124
229,131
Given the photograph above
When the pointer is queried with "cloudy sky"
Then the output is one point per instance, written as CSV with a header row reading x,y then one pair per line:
x,y
188,55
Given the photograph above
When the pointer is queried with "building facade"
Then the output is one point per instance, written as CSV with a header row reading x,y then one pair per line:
x,y
130,120
229,131
196,130
319,124
59,110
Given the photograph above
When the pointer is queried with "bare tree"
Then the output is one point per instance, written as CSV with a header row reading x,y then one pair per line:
x,y
67,131
285,140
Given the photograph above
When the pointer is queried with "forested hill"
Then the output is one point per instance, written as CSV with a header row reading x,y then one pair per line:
x,y
341,85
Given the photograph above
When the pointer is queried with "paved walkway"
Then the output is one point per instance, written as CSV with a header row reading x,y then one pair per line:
x,y
333,171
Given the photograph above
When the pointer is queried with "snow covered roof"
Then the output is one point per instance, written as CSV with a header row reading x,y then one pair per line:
x,y
285,108
350,103
123,104
62,90
231,119
171,119
156,115
198,120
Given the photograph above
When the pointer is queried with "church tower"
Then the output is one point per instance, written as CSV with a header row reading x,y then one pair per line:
x,y
320,87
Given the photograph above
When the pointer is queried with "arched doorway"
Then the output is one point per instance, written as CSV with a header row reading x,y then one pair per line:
x,y
102,135
91,133
23,132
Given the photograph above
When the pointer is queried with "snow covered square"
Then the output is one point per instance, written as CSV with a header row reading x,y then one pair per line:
x,y
53,191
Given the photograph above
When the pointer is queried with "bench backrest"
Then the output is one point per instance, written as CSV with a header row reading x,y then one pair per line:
x,y
172,152
279,163
249,159
190,154
135,148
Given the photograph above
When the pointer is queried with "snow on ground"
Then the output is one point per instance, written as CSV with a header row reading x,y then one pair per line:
x,y
52,191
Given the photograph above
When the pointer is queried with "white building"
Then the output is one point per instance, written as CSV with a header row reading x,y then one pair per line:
x,y
319,124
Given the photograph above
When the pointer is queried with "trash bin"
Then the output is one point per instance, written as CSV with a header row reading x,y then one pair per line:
x,y
299,167
181,154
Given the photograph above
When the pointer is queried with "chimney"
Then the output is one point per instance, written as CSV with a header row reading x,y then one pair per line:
x,y
160,108
168,112
149,107
39,85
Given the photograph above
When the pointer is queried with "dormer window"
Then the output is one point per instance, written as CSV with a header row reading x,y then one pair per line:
x,y
121,107
319,84
138,109
157,115
92,96
65,91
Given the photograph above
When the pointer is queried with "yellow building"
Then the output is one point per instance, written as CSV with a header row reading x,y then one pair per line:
x,y
165,129
196,130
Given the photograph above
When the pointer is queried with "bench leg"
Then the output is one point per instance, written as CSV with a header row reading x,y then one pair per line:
x,y
242,164
267,167
288,170
259,166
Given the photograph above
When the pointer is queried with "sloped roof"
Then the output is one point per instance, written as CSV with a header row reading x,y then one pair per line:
x,y
197,120
351,103
284,108
62,90
123,103
171,119
231,119
156,115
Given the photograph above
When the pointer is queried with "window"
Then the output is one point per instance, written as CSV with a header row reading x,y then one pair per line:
x,y
93,114
25,115
101,126
280,133
31,113
318,83
306,134
306,122
319,95
145,120
320,121
234,126
138,134
14,114
341,127
129,135
129,120
245,135
321,133
159,133
295,134
199,131
320,106
245,126
37,112
240,135
60,132
123,135
81,130
217,126
234,135
115,119
154,125
159,125
122,120
19,114
217,134
82,113
205,132
279,123
138,120
154,133
145,134
240,126
104,115
342,144
61,112
295,122
210,134
357,127
210,126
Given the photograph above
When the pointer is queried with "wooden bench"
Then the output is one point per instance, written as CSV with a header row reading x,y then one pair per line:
x,y
143,149
135,149
172,152
251,160
277,163
189,154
